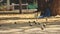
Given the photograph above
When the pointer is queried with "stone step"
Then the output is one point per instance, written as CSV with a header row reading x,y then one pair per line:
x,y
34,15
53,26
20,20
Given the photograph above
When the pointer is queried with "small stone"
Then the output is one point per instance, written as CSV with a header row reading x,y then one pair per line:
x,y
15,23
38,23
34,22
30,23
0,25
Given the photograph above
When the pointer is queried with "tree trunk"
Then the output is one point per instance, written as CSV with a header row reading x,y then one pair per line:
x,y
40,5
55,8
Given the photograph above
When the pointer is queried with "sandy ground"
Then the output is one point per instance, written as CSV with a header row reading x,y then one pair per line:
x,y
24,28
